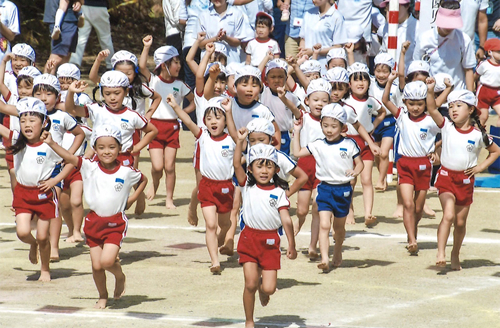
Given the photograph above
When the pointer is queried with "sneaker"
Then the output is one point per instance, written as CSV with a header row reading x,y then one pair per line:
x,y
285,15
81,21
56,33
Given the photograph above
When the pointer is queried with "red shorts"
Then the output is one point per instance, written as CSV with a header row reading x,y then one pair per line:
x,y
136,137
365,152
100,230
32,200
308,165
196,155
218,193
457,183
261,247
75,175
415,171
487,96
168,134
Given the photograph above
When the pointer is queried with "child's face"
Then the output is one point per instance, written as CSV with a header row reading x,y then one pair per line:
x,y
258,137
319,3
127,69
262,31
31,126
220,87
336,62
419,76
338,93
276,78
24,89
174,67
215,122
382,73
248,91
331,128
48,97
312,76
113,97
415,107
263,171
18,63
316,101
460,111
359,87
107,149
65,82
495,55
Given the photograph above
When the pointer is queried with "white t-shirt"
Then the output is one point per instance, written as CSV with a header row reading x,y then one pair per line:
x,y
451,54
489,74
68,139
365,109
140,102
200,103
34,163
177,88
469,10
10,81
242,115
299,92
9,16
286,164
407,31
357,13
283,116
340,153
61,122
216,156
416,136
125,119
460,148
311,129
259,49
377,91
106,192
261,206
80,99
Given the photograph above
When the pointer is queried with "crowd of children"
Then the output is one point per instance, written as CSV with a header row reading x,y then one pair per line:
x,y
253,121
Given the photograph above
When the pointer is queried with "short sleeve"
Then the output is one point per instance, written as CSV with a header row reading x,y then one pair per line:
x,y
183,14
69,122
355,149
283,202
13,21
286,163
339,34
135,176
249,47
469,56
481,69
276,48
148,92
484,4
241,26
352,117
139,121
185,90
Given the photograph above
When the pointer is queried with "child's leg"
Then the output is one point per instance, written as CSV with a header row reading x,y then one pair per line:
x,y
23,230
140,205
448,204
110,263
314,229
55,232
366,182
210,215
13,180
338,236
324,239
43,241
64,202
303,199
156,155
193,203
350,216
99,276
496,108
408,212
419,207
224,222
252,276
383,165
169,157
399,208
228,247
458,235
267,286
76,192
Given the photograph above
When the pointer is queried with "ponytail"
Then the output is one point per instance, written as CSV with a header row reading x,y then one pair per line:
x,y
475,120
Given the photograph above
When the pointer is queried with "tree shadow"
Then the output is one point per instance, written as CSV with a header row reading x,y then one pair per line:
x,y
364,264
54,273
433,226
427,245
284,283
9,229
491,230
177,202
69,252
136,256
132,240
384,219
127,301
150,215
466,264
217,322
280,321
5,240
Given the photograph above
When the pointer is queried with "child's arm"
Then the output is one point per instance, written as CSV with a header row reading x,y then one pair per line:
x,y
349,48
68,157
358,167
8,109
150,132
140,188
291,106
200,73
79,138
300,180
239,172
431,103
143,60
52,182
192,126
191,107
154,105
248,60
366,137
494,152
286,221
444,95
231,127
401,68
380,117
265,60
387,92
208,91
316,51
5,131
297,150
193,66
3,88
94,71
303,80
70,106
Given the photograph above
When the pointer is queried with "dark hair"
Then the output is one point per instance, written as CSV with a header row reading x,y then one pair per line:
x,y
411,76
135,89
94,91
213,110
221,76
341,85
277,181
24,78
247,79
45,87
95,142
264,20
475,121
22,141
359,76
453,5
188,3
220,57
362,46
167,63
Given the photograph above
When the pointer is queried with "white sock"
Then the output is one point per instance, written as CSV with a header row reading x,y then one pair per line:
x,y
59,17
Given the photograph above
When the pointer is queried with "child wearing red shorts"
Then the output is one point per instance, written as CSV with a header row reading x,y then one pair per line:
x,y
488,72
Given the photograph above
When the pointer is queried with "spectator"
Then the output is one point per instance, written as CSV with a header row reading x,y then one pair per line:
x,y
493,16
357,13
9,26
171,11
298,9
474,14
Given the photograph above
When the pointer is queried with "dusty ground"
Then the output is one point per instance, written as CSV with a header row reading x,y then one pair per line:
x,y
169,283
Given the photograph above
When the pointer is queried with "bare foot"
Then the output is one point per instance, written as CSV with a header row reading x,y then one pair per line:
x,y
44,276
74,239
313,255
324,266
169,204
399,212
413,249
119,287
101,304
192,216
227,249
380,187
34,253
140,206
440,261
12,209
429,211
455,263
296,228
264,298
337,258
215,269
350,218
370,220
432,189
54,259
151,193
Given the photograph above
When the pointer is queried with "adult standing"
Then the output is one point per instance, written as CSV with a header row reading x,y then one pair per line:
x,y
357,13
9,26
62,48
493,17
474,14
97,17
171,11
298,8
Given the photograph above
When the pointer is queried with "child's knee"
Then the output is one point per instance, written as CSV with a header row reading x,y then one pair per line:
x,y
251,287
384,155
269,290
106,263
76,202
409,205
42,240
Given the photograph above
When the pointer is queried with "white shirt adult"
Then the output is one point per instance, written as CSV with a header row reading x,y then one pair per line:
x,y
452,54
469,10
357,13
407,31
9,26
171,10
190,14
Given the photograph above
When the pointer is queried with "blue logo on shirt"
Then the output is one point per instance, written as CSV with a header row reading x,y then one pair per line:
x,y
124,120
119,180
273,201
41,153
472,142
225,147
343,149
56,121
423,130
255,116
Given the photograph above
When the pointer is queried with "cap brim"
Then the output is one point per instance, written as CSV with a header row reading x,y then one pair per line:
x,y
448,22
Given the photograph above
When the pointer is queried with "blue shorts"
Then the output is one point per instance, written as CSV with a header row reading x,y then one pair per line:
x,y
334,198
68,40
396,145
56,171
386,129
285,142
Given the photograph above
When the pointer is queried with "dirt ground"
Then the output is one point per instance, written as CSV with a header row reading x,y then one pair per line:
x,y
169,283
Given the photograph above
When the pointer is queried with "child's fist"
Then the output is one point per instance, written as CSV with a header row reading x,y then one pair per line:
x,y
210,48
349,47
393,75
431,83
281,91
147,41
317,47
226,104
214,71
103,54
447,82
201,36
297,125
171,100
242,134
405,46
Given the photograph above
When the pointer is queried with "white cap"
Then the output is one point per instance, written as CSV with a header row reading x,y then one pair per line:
x,y
463,95
68,70
440,77
220,47
233,67
277,63
335,111
311,66
385,59
354,33
221,67
124,55
247,70
106,130
337,74
357,67
335,53
162,54
24,50
31,104
114,79
49,80
415,91
418,66
262,151
319,85
261,124
215,102
29,71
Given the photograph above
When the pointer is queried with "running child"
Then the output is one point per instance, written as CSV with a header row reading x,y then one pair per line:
x,y
462,143
417,134
265,210
488,73
163,149
258,48
107,186
22,56
338,162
